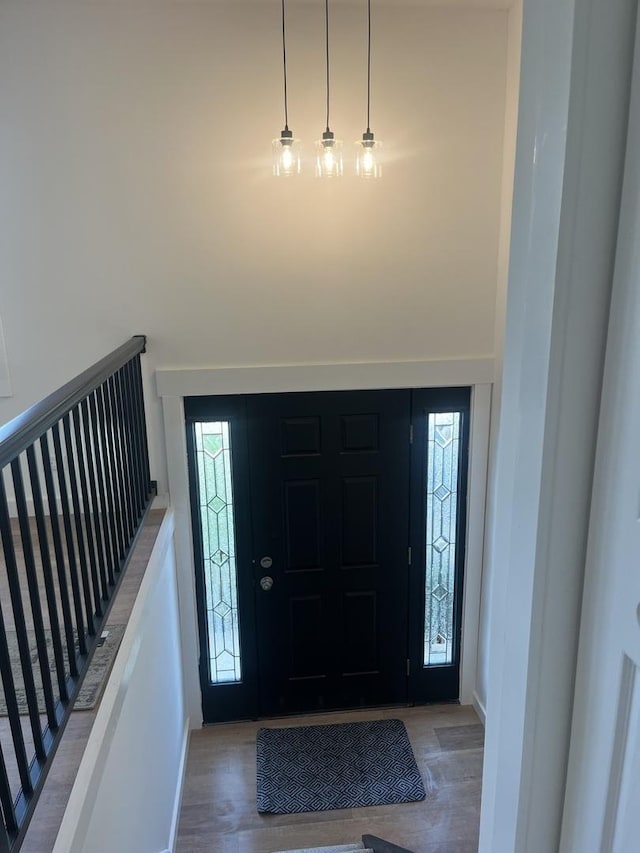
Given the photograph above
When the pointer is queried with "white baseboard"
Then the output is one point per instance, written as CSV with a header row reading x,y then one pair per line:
x,y
175,819
479,708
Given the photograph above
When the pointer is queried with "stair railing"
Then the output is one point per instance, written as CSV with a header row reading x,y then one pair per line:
x,y
74,491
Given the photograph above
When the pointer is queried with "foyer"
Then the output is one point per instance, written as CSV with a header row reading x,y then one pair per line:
x,y
219,811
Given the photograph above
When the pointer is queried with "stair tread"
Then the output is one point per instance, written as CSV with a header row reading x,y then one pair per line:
x,y
380,845
339,848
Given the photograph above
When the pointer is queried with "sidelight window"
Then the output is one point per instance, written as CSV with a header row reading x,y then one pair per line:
x,y
443,463
213,454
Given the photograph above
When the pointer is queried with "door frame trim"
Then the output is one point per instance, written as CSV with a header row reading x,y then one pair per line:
x,y
174,385
476,508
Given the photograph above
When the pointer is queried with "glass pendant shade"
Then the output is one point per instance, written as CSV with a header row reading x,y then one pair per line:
x,y
329,156
368,157
285,150
286,155
368,163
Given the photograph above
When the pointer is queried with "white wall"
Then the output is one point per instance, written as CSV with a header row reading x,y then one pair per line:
x,y
127,792
137,196
5,379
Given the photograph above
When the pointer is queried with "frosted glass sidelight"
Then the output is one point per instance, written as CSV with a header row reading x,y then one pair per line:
x,y
443,456
215,480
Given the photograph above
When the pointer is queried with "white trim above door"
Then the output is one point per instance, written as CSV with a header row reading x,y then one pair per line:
x,y
354,376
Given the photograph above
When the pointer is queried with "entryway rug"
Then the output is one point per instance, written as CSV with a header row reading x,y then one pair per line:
x,y
94,680
338,766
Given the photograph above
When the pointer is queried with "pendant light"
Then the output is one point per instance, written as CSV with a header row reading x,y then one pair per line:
x,y
367,158
286,149
329,149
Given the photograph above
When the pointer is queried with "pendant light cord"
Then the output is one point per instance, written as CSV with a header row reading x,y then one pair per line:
x,y
284,67
326,30
368,67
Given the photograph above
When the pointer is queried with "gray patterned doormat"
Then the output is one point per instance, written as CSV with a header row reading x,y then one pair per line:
x,y
339,766
94,680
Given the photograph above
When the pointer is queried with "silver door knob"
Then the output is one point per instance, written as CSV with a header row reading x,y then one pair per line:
x,y
266,583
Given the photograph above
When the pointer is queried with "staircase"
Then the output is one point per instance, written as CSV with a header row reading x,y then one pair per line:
x,y
369,844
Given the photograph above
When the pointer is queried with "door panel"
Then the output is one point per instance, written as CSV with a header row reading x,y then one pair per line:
x,y
330,488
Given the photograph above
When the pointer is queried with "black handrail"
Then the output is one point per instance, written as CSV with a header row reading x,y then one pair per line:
x,y
24,429
81,455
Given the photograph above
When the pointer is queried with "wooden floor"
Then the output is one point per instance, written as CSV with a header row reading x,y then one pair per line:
x,y
219,802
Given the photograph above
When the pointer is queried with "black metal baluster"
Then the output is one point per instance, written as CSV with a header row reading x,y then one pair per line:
x,y
103,433
34,593
83,553
5,842
95,515
6,801
135,402
135,448
98,492
47,572
123,455
68,535
13,712
84,490
60,564
22,637
115,476
142,423
101,491
134,482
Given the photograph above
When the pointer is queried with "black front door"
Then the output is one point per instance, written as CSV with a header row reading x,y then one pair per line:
x,y
329,505
307,509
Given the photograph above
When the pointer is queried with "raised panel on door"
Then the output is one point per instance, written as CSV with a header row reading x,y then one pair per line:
x,y
302,525
359,522
360,633
307,619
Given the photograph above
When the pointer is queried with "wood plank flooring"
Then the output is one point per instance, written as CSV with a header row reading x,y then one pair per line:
x,y
219,801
